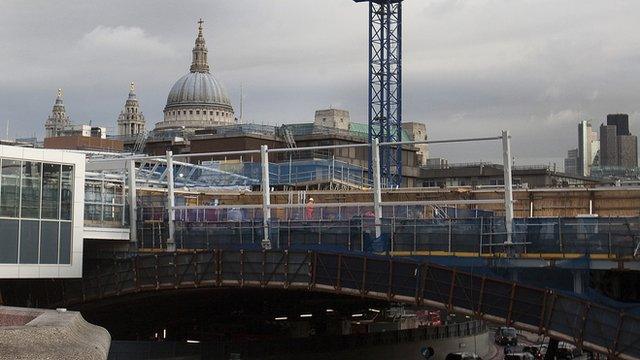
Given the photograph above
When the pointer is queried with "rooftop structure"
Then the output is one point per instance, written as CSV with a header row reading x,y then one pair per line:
x,y
83,137
333,118
489,174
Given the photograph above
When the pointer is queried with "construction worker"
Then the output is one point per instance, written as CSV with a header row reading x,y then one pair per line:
x,y
309,210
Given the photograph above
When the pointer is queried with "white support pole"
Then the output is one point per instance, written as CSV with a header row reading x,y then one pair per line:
x,y
171,203
266,196
377,191
508,185
133,205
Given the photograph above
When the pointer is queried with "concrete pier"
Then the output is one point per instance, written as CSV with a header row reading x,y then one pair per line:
x,y
50,334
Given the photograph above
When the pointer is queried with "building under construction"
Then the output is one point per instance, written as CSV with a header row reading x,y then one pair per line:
x,y
345,166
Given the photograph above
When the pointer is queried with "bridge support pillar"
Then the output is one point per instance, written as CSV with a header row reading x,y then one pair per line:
x,y
578,282
171,203
552,349
133,205
266,196
513,274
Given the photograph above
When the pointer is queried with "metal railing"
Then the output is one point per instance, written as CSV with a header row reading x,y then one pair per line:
x,y
606,238
172,179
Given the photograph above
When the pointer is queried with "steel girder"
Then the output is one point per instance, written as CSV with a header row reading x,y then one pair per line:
x,y
586,324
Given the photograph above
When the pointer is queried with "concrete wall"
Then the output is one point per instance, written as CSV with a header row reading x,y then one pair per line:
x,y
49,334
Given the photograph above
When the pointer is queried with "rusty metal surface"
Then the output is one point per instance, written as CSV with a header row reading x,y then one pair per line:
x,y
587,325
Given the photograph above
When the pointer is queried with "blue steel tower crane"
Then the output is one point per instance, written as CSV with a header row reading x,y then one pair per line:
x,y
385,85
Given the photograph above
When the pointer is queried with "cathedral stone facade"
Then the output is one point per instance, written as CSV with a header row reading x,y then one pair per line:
x,y
58,120
197,100
131,120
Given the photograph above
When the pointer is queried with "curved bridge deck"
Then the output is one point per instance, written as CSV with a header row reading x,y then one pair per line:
x,y
589,325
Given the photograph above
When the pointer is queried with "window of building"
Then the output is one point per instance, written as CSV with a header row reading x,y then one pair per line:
x,y
64,255
9,243
49,242
190,112
10,190
29,241
31,182
50,191
104,202
211,112
197,112
66,192
31,192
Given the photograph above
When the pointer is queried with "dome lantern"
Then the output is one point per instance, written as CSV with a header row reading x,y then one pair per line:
x,y
199,62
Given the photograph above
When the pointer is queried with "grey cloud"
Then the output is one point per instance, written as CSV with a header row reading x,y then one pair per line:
x,y
471,67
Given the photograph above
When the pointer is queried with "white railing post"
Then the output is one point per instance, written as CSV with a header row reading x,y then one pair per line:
x,y
133,205
266,196
171,203
508,185
377,192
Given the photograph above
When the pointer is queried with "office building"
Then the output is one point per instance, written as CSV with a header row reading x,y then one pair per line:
x,y
621,121
627,151
571,162
588,146
618,148
608,145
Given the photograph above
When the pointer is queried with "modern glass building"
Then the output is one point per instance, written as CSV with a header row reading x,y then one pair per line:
x,y
41,213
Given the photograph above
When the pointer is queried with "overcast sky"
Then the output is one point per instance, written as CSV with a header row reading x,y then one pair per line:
x,y
471,67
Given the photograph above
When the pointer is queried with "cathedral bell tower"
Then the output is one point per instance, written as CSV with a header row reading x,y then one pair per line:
x,y
58,120
131,121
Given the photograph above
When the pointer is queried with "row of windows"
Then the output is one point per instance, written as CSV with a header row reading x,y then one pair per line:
x,y
35,190
104,201
35,242
204,112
